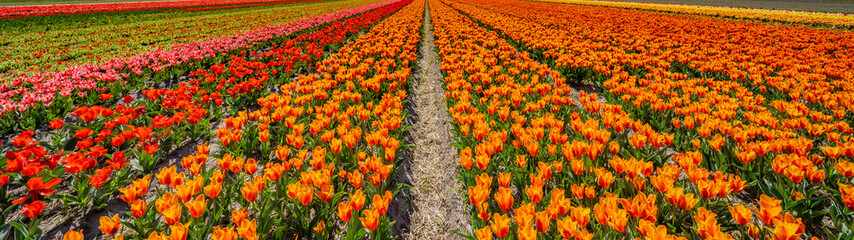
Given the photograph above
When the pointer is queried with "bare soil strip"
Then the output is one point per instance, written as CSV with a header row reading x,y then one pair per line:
x,y
437,194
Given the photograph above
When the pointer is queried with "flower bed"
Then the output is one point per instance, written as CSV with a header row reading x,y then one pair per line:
x,y
106,147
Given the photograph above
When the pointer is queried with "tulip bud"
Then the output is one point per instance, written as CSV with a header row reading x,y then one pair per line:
x,y
753,231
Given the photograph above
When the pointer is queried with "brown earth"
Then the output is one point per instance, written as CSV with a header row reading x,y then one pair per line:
x,y
437,195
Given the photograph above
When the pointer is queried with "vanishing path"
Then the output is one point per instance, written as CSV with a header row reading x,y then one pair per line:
x,y
437,194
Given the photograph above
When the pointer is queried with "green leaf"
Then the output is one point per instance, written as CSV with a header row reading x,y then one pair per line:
x,y
21,229
279,233
131,225
4,231
465,236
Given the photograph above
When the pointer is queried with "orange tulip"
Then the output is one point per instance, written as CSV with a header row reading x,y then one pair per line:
x,y
521,160
157,236
504,198
580,215
221,233
753,231
483,233
345,211
380,203
172,215
618,220
577,166
707,224
500,225
786,231
213,189
484,180
583,235
845,168
478,194
482,211
590,192
677,197
741,214
604,177
527,233
73,235
169,176
302,193
466,159
321,227
769,209
282,152
504,179
534,193
847,192
166,201
482,161
184,192
109,225
637,140
566,227
247,229
542,220
179,231
371,219
249,191
250,166
138,207
237,216
815,175
197,207
357,199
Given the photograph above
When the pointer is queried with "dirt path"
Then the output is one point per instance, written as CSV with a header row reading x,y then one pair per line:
x,y
437,194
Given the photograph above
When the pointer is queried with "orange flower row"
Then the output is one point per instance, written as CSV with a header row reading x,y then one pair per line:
x,y
504,103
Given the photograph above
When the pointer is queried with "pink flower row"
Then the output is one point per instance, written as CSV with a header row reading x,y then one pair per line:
x,y
46,10
42,88
246,5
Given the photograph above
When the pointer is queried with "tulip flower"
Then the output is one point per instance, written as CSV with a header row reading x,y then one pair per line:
x,y
741,214
110,225
483,233
37,189
73,235
33,209
345,211
370,220
197,206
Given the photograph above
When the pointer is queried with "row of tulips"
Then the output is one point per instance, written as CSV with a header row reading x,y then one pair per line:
x,y
63,42
105,147
794,148
44,96
787,107
770,59
234,6
62,9
598,173
315,161
822,19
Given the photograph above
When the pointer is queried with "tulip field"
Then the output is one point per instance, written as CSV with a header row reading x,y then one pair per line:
x,y
425,119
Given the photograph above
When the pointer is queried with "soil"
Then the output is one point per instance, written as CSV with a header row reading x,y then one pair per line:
x,y
437,194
